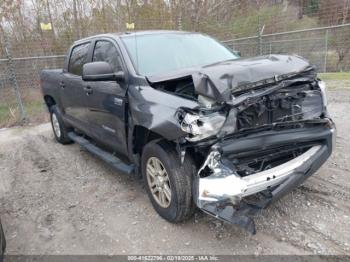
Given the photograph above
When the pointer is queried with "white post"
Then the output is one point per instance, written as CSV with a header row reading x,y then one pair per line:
x,y
326,52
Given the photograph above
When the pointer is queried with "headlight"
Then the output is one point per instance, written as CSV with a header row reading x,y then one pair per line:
x,y
199,125
323,88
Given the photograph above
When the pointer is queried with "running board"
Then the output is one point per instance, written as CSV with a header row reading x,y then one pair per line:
x,y
105,156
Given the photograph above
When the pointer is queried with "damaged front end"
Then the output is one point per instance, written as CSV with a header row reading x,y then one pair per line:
x,y
241,176
261,129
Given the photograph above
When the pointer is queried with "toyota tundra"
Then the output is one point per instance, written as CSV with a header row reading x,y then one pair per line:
x,y
203,127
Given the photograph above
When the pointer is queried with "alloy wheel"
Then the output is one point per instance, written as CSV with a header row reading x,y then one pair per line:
x,y
158,182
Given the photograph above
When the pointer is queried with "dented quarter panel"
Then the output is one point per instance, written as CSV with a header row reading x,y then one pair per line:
x,y
155,110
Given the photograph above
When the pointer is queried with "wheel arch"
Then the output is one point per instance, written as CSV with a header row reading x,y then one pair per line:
x,y
49,101
142,136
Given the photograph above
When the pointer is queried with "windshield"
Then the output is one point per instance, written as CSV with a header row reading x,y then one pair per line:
x,y
162,53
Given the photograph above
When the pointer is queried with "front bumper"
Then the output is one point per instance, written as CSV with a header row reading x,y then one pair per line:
x,y
225,195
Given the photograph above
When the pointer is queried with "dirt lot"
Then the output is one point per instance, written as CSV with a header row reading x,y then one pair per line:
x,y
61,200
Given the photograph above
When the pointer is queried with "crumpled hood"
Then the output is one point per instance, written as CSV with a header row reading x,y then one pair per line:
x,y
217,81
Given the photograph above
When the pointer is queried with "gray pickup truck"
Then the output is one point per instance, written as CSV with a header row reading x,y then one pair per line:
x,y
202,126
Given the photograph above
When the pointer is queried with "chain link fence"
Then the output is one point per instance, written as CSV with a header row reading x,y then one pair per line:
x,y
20,94
38,38
326,47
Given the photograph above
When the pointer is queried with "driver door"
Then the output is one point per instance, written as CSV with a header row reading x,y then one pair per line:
x,y
106,101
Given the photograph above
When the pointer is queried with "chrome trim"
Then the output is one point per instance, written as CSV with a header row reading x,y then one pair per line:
x,y
56,125
228,185
274,176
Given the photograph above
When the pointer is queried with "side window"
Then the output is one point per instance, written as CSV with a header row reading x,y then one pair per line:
x,y
107,52
78,58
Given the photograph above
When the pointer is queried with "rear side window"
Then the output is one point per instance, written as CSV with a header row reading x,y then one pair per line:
x,y
107,52
78,58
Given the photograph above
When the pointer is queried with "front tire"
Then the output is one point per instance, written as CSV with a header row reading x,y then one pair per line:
x,y
168,183
60,130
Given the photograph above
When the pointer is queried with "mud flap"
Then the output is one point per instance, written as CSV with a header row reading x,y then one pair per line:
x,y
240,217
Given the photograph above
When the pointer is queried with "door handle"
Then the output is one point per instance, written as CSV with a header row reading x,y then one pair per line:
x,y
88,90
62,85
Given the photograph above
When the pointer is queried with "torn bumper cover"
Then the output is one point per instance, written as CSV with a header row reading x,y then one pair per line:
x,y
225,193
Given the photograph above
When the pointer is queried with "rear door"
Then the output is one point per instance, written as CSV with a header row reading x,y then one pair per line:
x,y
73,93
106,103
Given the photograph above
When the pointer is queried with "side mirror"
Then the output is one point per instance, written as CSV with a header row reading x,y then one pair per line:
x,y
100,71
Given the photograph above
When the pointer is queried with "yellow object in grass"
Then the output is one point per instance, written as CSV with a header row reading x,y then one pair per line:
x,y
130,26
46,27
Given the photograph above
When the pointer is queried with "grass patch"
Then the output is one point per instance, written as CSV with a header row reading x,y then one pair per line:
x,y
9,116
4,114
343,76
33,105
336,80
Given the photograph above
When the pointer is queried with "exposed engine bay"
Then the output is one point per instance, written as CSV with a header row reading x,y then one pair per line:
x,y
291,104
292,100
256,138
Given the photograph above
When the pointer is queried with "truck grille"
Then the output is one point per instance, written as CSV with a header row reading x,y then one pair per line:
x,y
293,104
251,162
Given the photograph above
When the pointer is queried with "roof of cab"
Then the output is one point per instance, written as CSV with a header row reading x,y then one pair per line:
x,y
133,33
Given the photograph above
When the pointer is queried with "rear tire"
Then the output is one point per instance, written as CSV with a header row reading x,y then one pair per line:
x,y
60,130
169,176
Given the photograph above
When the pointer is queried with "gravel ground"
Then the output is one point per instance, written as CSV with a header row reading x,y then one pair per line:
x,y
58,199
